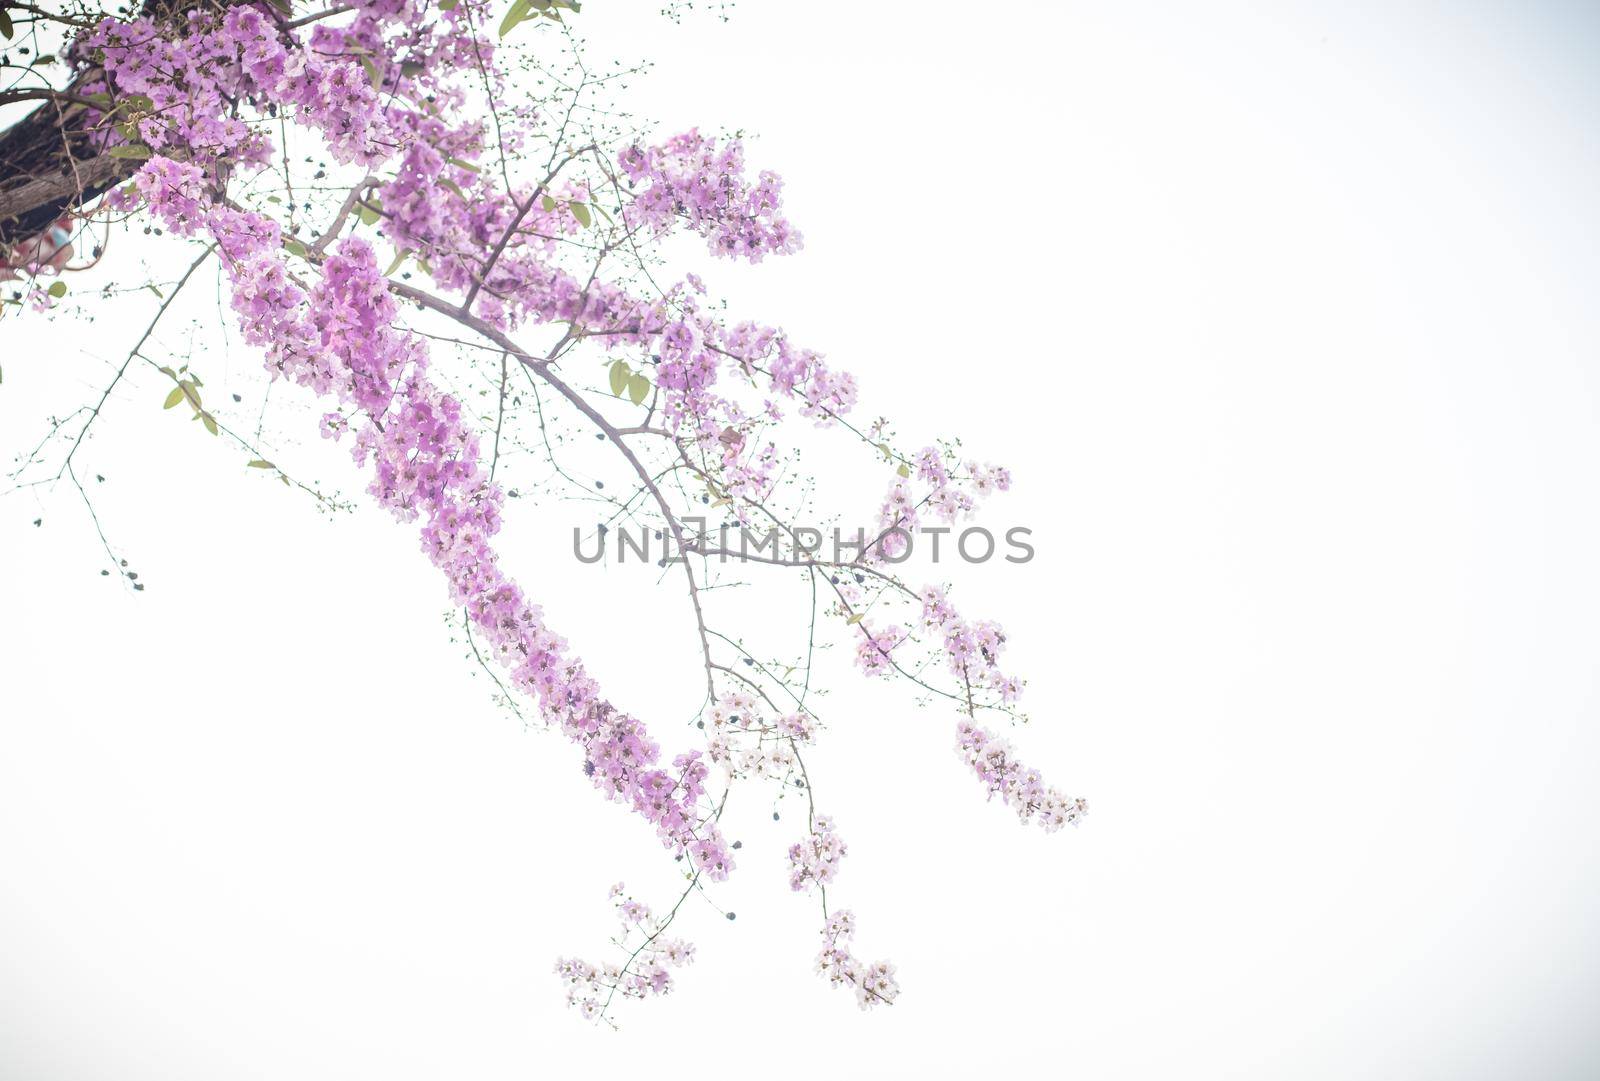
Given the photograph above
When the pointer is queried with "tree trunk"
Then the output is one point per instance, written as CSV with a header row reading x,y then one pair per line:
x,y
51,164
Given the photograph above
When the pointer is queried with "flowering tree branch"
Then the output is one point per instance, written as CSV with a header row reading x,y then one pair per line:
x,y
411,101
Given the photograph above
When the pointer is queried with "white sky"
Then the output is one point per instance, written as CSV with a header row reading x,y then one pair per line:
x,y
1284,320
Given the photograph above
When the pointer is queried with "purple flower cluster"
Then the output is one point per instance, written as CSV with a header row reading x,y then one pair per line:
x,y
815,860
970,650
874,983
190,81
646,974
875,650
690,177
1020,788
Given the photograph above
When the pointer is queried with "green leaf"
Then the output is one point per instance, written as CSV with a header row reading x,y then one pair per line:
x,y
619,377
904,470
369,212
399,257
448,5
209,422
136,151
294,247
519,11
373,74
450,185
260,463
855,618
173,399
581,212
411,69
58,289
467,165
638,388
548,203
7,28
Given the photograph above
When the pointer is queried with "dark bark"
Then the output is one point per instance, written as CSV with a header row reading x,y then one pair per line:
x,y
50,163
51,160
